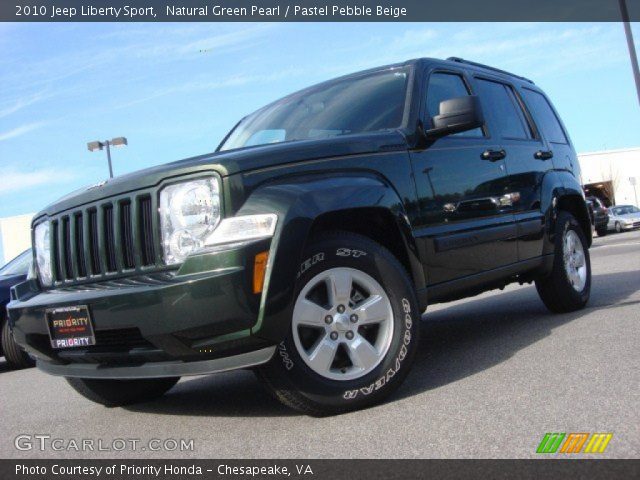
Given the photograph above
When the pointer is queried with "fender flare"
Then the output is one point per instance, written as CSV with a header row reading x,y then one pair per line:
x,y
560,187
298,201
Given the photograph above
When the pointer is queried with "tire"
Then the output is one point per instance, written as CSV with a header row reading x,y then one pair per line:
x,y
14,355
117,393
556,290
618,227
348,382
601,231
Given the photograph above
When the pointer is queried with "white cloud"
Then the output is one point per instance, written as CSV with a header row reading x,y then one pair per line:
x,y
412,38
214,43
521,47
20,103
205,84
21,130
143,45
15,181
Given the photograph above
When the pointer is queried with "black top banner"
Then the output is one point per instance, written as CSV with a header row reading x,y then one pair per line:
x,y
317,10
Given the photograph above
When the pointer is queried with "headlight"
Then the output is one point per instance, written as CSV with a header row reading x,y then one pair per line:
x,y
189,212
43,253
32,273
243,228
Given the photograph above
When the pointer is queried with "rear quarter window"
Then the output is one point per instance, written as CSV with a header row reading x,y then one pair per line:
x,y
544,116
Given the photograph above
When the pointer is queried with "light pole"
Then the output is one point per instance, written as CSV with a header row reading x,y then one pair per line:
x,y
98,145
630,45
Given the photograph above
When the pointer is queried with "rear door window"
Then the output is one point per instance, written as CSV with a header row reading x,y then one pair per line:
x,y
507,115
545,117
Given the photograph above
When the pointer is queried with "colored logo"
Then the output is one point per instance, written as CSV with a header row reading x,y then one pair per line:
x,y
574,443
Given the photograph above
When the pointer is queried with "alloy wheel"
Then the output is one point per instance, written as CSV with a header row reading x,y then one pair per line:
x,y
574,260
342,323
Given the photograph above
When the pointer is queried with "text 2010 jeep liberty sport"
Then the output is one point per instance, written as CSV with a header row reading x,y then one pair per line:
x,y
308,245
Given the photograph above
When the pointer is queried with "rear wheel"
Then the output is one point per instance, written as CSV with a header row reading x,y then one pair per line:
x,y
115,393
568,286
14,355
602,231
354,329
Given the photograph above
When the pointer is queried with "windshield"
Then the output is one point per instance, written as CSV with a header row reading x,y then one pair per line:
x,y
17,266
626,209
367,103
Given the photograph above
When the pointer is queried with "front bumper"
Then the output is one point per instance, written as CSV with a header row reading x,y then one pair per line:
x,y
630,226
161,369
192,321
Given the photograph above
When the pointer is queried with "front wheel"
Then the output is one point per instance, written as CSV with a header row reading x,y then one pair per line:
x,y
354,329
618,227
568,286
116,393
602,231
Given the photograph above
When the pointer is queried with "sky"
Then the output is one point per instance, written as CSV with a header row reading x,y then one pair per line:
x,y
174,90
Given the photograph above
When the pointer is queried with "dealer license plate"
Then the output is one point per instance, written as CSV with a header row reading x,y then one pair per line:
x,y
70,327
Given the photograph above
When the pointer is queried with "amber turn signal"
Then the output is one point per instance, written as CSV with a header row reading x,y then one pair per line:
x,y
259,270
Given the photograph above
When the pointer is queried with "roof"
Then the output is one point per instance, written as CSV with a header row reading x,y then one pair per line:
x,y
488,67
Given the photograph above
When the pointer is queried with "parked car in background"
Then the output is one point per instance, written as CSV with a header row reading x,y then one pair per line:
x,y
600,218
11,274
624,217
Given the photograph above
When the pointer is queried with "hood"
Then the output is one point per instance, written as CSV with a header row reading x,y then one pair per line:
x,y
232,162
629,216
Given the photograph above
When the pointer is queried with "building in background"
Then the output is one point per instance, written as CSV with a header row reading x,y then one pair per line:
x,y
15,236
612,175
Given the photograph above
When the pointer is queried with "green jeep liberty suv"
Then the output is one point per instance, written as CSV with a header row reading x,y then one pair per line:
x,y
308,245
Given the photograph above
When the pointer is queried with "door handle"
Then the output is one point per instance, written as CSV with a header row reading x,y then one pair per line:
x,y
543,155
493,155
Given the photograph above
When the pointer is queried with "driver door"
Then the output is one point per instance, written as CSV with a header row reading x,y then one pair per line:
x,y
466,225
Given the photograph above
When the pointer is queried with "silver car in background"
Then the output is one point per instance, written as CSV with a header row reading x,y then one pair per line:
x,y
623,217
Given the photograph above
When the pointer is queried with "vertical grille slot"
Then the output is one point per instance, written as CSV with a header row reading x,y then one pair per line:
x,y
66,245
80,258
126,235
116,236
57,271
109,239
146,231
94,246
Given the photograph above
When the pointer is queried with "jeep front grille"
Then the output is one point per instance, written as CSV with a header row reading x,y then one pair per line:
x,y
105,239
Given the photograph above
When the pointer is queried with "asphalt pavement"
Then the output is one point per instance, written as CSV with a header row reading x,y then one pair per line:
x,y
494,373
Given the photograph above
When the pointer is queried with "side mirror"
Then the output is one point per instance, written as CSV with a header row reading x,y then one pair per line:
x,y
457,115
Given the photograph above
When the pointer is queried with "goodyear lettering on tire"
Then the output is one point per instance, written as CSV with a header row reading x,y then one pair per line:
x,y
284,355
380,382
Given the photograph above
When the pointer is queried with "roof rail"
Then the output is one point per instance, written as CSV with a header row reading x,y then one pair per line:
x,y
476,64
